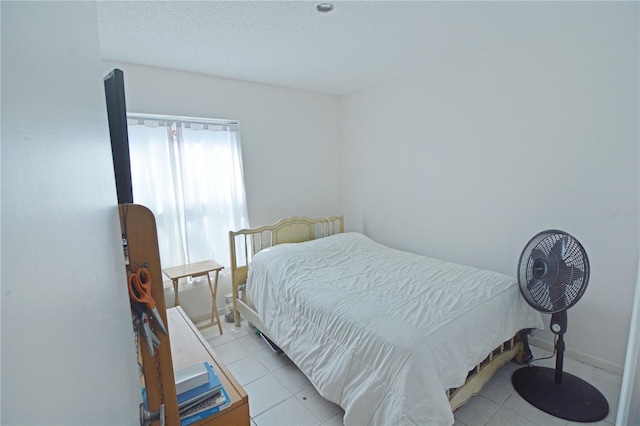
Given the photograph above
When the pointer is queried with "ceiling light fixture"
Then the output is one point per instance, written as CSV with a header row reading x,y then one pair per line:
x,y
324,7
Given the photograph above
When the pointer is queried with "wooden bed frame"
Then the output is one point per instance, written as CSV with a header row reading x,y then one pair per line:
x,y
244,244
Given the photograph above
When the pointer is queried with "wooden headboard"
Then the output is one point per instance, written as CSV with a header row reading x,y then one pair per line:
x,y
245,243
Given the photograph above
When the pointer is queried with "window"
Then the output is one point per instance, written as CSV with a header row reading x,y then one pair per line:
x,y
188,172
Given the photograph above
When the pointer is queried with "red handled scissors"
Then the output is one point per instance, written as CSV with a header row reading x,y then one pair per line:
x,y
140,291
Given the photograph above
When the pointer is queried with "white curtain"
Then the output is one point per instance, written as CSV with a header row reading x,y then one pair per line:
x,y
189,174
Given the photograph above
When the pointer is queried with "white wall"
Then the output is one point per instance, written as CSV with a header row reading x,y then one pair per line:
x,y
289,145
68,352
469,160
289,137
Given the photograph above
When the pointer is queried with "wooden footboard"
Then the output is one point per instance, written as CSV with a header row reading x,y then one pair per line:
x,y
484,371
244,244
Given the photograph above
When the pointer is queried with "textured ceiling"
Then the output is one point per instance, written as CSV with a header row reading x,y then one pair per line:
x,y
357,45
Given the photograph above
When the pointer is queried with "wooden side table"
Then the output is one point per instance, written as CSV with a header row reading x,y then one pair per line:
x,y
193,270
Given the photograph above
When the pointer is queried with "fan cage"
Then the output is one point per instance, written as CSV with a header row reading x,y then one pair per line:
x,y
569,284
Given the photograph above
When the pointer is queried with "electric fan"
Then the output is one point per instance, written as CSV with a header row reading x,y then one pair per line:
x,y
552,274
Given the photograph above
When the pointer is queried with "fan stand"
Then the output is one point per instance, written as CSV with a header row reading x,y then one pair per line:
x,y
560,394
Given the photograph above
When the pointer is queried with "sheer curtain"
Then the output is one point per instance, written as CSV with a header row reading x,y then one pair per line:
x,y
189,174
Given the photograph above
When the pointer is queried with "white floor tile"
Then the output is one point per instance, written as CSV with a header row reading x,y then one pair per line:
x,y
506,417
336,420
271,360
248,369
265,393
292,378
608,381
498,389
323,409
231,352
253,343
288,413
477,411
213,336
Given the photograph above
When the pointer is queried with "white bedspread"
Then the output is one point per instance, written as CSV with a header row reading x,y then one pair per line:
x,y
379,331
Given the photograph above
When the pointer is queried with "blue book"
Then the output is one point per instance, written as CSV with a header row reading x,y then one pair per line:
x,y
204,408
202,391
195,394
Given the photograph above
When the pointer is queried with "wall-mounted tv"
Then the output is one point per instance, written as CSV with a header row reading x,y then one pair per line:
x,y
117,113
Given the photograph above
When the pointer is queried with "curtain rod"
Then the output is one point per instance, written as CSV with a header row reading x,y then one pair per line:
x,y
183,119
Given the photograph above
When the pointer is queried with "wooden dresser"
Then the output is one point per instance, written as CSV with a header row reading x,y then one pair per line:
x,y
188,346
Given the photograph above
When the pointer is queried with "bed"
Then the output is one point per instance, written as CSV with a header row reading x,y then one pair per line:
x,y
390,336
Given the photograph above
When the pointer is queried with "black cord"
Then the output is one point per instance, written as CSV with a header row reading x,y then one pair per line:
x,y
555,341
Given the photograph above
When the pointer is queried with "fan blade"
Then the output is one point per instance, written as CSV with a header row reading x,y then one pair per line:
x,y
569,279
560,248
578,274
568,274
559,302
556,295
540,292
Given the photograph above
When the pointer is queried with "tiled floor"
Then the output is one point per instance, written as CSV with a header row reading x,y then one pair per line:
x,y
279,394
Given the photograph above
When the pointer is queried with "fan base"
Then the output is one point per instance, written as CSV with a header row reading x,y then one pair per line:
x,y
574,399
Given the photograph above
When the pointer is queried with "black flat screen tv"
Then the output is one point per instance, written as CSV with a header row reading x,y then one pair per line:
x,y
117,113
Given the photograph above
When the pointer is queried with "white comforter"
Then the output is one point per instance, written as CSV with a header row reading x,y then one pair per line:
x,y
379,331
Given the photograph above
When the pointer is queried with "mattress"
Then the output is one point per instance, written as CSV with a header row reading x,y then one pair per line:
x,y
383,332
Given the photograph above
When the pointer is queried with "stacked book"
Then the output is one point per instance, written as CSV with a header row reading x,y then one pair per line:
x,y
200,393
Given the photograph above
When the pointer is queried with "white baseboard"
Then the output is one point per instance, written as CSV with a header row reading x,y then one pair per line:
x,y
578,356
